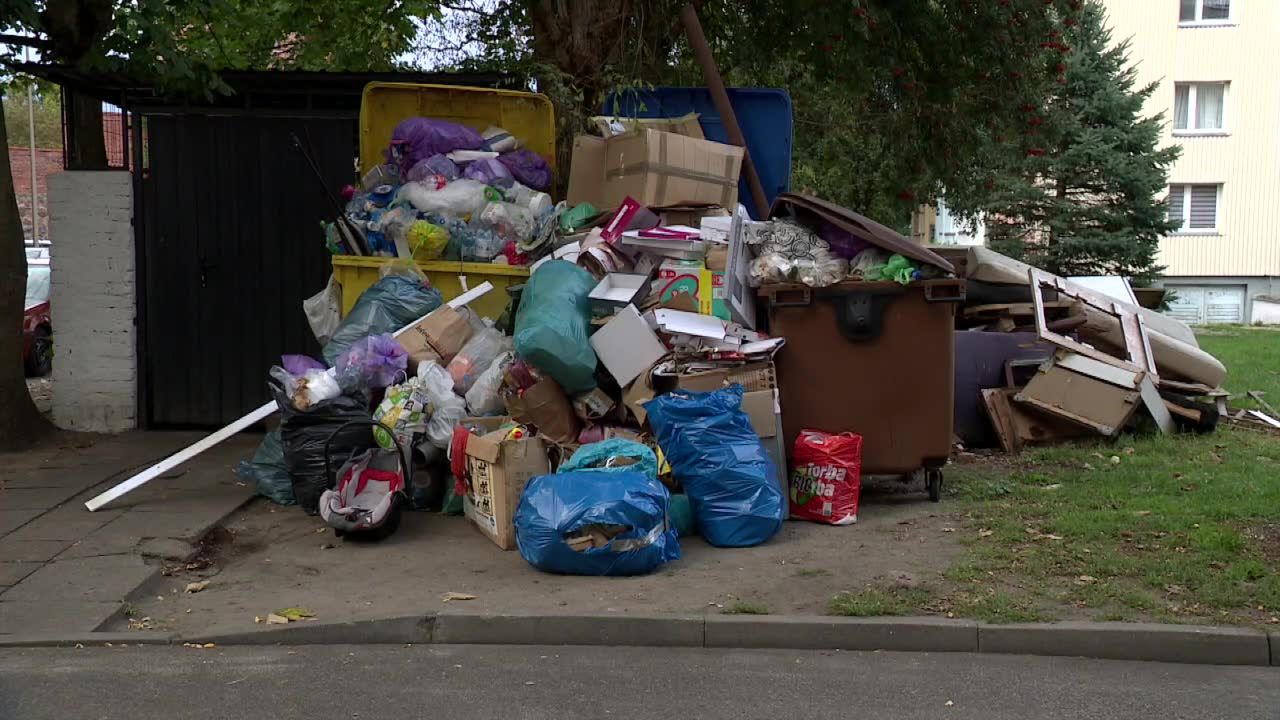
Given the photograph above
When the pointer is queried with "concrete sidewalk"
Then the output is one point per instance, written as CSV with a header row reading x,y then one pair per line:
x,y
65,569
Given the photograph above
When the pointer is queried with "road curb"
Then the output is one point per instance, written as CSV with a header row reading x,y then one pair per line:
x,y
1108,641
390,631
1130,641
614,630
87,639
909,634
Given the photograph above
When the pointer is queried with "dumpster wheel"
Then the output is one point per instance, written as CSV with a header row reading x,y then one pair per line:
x,y
933,481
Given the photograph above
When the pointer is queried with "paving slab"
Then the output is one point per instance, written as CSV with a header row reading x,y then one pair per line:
x,y
97,579
45,498
12,572
68,522
11,520
32,550
38,617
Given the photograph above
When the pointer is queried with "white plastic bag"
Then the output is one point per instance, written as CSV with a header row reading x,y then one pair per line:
x,y
459,198
310,388
446,408
324,310
483,398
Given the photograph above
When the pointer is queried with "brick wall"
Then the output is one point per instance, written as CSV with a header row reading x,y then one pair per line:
x,y
93,301
48,161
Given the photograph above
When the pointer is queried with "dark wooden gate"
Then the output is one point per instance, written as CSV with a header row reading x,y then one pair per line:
x,y
228,231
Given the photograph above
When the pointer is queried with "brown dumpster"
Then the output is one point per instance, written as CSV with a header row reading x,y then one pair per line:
x,y
874,358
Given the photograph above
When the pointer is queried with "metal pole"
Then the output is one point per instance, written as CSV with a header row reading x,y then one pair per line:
x,y
702,52
31,137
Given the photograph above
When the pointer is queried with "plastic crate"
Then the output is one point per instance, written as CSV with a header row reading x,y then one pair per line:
x,y
527,116
357,274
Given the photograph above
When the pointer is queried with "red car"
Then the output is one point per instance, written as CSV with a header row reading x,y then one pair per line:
x,y
37,329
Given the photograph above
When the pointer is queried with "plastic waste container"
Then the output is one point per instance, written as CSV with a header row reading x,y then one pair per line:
x,y
357,274
874,358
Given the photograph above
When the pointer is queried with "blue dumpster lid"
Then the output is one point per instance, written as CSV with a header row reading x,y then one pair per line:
x,y
763,113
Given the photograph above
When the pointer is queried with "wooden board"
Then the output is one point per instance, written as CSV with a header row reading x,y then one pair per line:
x,y
1081,399
1018,426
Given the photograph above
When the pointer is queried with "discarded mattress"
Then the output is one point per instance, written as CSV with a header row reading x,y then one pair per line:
x,y
1173,344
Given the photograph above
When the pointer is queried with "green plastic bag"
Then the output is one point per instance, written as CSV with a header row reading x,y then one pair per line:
x,y
452,502
597,456
554,322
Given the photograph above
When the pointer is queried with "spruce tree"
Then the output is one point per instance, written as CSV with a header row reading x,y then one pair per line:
x,y
1084,199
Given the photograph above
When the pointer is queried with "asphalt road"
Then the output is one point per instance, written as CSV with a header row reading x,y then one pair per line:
x,y
460,682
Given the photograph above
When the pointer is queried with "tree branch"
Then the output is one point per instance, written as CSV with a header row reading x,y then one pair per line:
x,y
25,41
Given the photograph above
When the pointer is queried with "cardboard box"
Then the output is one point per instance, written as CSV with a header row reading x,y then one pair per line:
x,y
499,470
617,290
438,336
686,125
753,377
627,345
680,283
765,413
691,214
656,168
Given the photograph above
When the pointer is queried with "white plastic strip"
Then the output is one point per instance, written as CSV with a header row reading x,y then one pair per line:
x,y
252,418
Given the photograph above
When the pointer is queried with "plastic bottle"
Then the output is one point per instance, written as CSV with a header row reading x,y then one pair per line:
x,y
532,200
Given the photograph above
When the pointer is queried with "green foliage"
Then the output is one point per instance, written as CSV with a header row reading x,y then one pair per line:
x,y
48,115
1082,199
873,601
746,607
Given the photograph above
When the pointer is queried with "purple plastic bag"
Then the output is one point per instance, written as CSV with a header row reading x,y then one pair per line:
x,y
375,361
434,165
298,365
528,167
419,138
490,172
842,243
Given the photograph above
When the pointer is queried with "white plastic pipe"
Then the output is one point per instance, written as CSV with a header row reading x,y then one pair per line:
x,y
252,418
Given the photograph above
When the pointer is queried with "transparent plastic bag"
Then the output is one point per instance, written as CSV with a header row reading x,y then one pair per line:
x,y
445,407
475,357
484,397
509,221
426,241
376,361
308,388
489,171
791,252
476,242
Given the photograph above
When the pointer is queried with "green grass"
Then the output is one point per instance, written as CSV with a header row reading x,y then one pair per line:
x,y
812,572
1183,528
1244,351
877,601
746,607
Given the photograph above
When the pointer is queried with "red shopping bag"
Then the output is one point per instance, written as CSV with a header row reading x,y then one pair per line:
x,y
826,478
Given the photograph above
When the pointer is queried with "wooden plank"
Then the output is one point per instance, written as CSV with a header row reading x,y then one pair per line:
x,y
1081,399
1105,372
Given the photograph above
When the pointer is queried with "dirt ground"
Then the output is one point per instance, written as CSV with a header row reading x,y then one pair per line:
x,y
272,557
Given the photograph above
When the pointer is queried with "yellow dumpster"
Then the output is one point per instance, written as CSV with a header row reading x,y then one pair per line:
x,y
356,274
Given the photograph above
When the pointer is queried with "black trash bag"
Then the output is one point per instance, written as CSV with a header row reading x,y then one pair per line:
x,y
303,433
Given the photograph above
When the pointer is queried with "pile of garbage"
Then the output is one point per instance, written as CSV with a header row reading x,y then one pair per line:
x,y
625,398
448,192
1043,359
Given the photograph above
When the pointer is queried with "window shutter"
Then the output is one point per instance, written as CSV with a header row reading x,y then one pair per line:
x,y
1216,10
1176,193
1204,206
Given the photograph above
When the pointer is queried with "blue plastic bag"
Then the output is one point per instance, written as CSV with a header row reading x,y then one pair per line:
x,y
717,457
554,507
597,455
554,322
388,305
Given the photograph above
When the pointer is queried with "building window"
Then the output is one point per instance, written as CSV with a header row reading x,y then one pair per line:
x,y
1204,12
1199,107
1195,208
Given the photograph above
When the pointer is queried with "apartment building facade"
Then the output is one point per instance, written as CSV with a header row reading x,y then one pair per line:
x,y
1218,85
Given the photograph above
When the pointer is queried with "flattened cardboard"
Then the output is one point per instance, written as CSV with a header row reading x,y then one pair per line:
x,y
686,125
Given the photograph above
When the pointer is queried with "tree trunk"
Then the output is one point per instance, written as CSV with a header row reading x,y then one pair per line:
x,y
21,424
87,149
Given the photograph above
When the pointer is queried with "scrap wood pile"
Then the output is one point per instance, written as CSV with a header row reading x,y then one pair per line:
x,y
627,396
1042,359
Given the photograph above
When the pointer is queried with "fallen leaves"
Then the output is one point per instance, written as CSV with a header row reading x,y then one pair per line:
x,y
284,616
456,596
196,587
199,646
